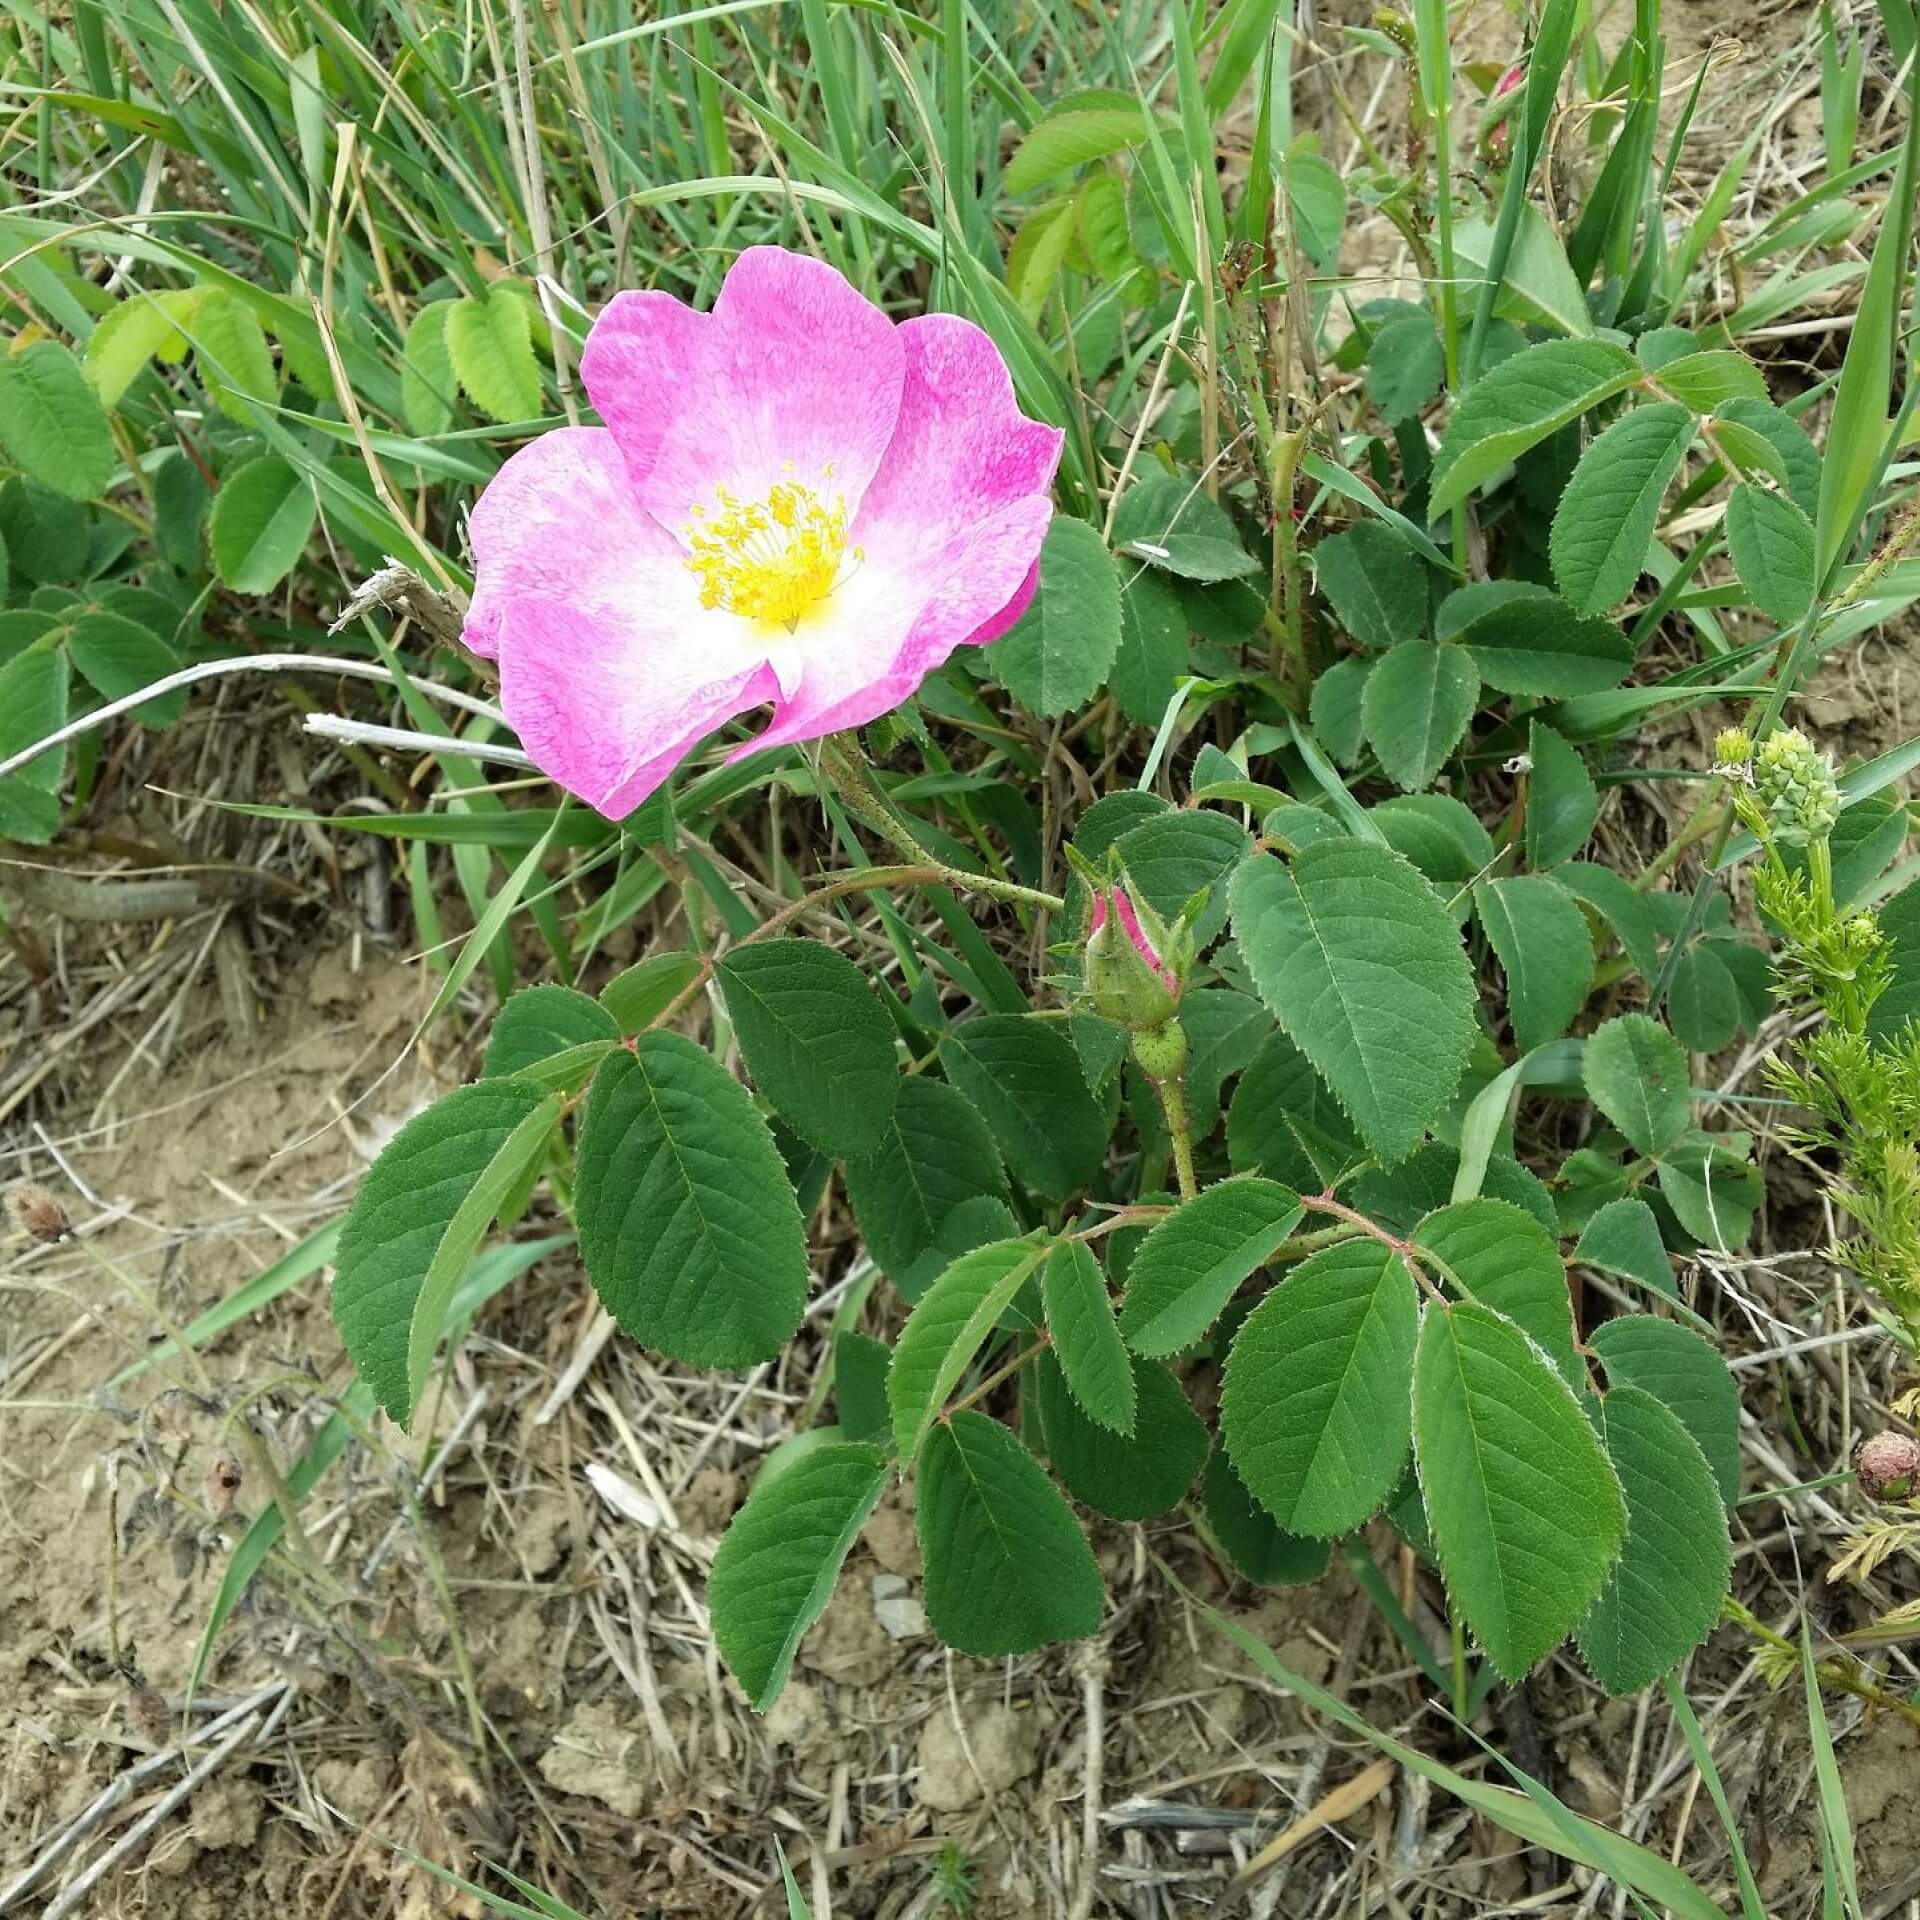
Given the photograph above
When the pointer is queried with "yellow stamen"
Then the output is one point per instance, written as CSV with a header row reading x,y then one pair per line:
x,y
768,560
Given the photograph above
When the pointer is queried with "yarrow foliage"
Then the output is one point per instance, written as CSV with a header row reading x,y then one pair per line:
x,y
794,501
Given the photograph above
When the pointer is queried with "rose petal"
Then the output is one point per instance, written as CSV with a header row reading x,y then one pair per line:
x,y
891,627
794,374
962,449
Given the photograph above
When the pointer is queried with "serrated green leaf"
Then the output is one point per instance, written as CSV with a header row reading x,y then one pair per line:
x,y
1562,801
490,342
1526,1513
33,704
944,1332
1125,1476
1101,215
1223,1028
1712,1187
1058,652
1418,703
1021,1072
1038,255
1516,404
1195,1260
779,1559
539,1022
263,517
51,422
1071,135
1242,1532
1708,381
181,497
1773,549
1506,1260
816,1041
1177,854
1623,907
648,988
1338,696
1636,1075
1284,1121
1682,1371
140,328
1168,521
117,656
1375,582
1662,1597
232,356
1703,1004
427,378
1007,1567
1799,457
1152,653
1439,834
1623,1238
1406,365
1086,1337
1314,1408
1606,516
1545,950
44,531
936,1155
1527,640
509,1172
688,1226
1359,961
1538,286
406,1204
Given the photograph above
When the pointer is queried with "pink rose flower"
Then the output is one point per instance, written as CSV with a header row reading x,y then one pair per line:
x,y
793,501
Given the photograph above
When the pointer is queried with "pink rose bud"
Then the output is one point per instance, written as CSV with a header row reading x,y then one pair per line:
x,y
1888,1466
1509,80
1135,964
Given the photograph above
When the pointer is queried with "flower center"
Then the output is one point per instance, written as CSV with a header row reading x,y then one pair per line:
x,y
768,560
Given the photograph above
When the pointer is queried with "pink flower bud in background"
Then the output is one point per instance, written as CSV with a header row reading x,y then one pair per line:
x,y
1509,80
1888,1466
1133,964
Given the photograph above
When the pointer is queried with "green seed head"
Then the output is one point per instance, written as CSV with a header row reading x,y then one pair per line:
x,y
1794,785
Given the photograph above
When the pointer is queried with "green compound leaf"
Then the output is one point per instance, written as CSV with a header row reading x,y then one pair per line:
x,y
688,1226
1242,1532
1193,1262
1527,640
1086,1338
1636,1075
1606,517
935,1156
1623,1239
1525,1511
1562,801
944,1332
1418,702
1546,952
1314,1409
490,343
1058,652
231,353
539,1023
427,378
51,422
263,517
142,327
1072,134
1132,1476
1663,1596
1153,648
403,1212
1376,583
1703,1003
1505,1259
1773,549
1682,1371
776,1567
1169,522
1517,404
816,1041
1007,1567
1022,1073
1360,962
